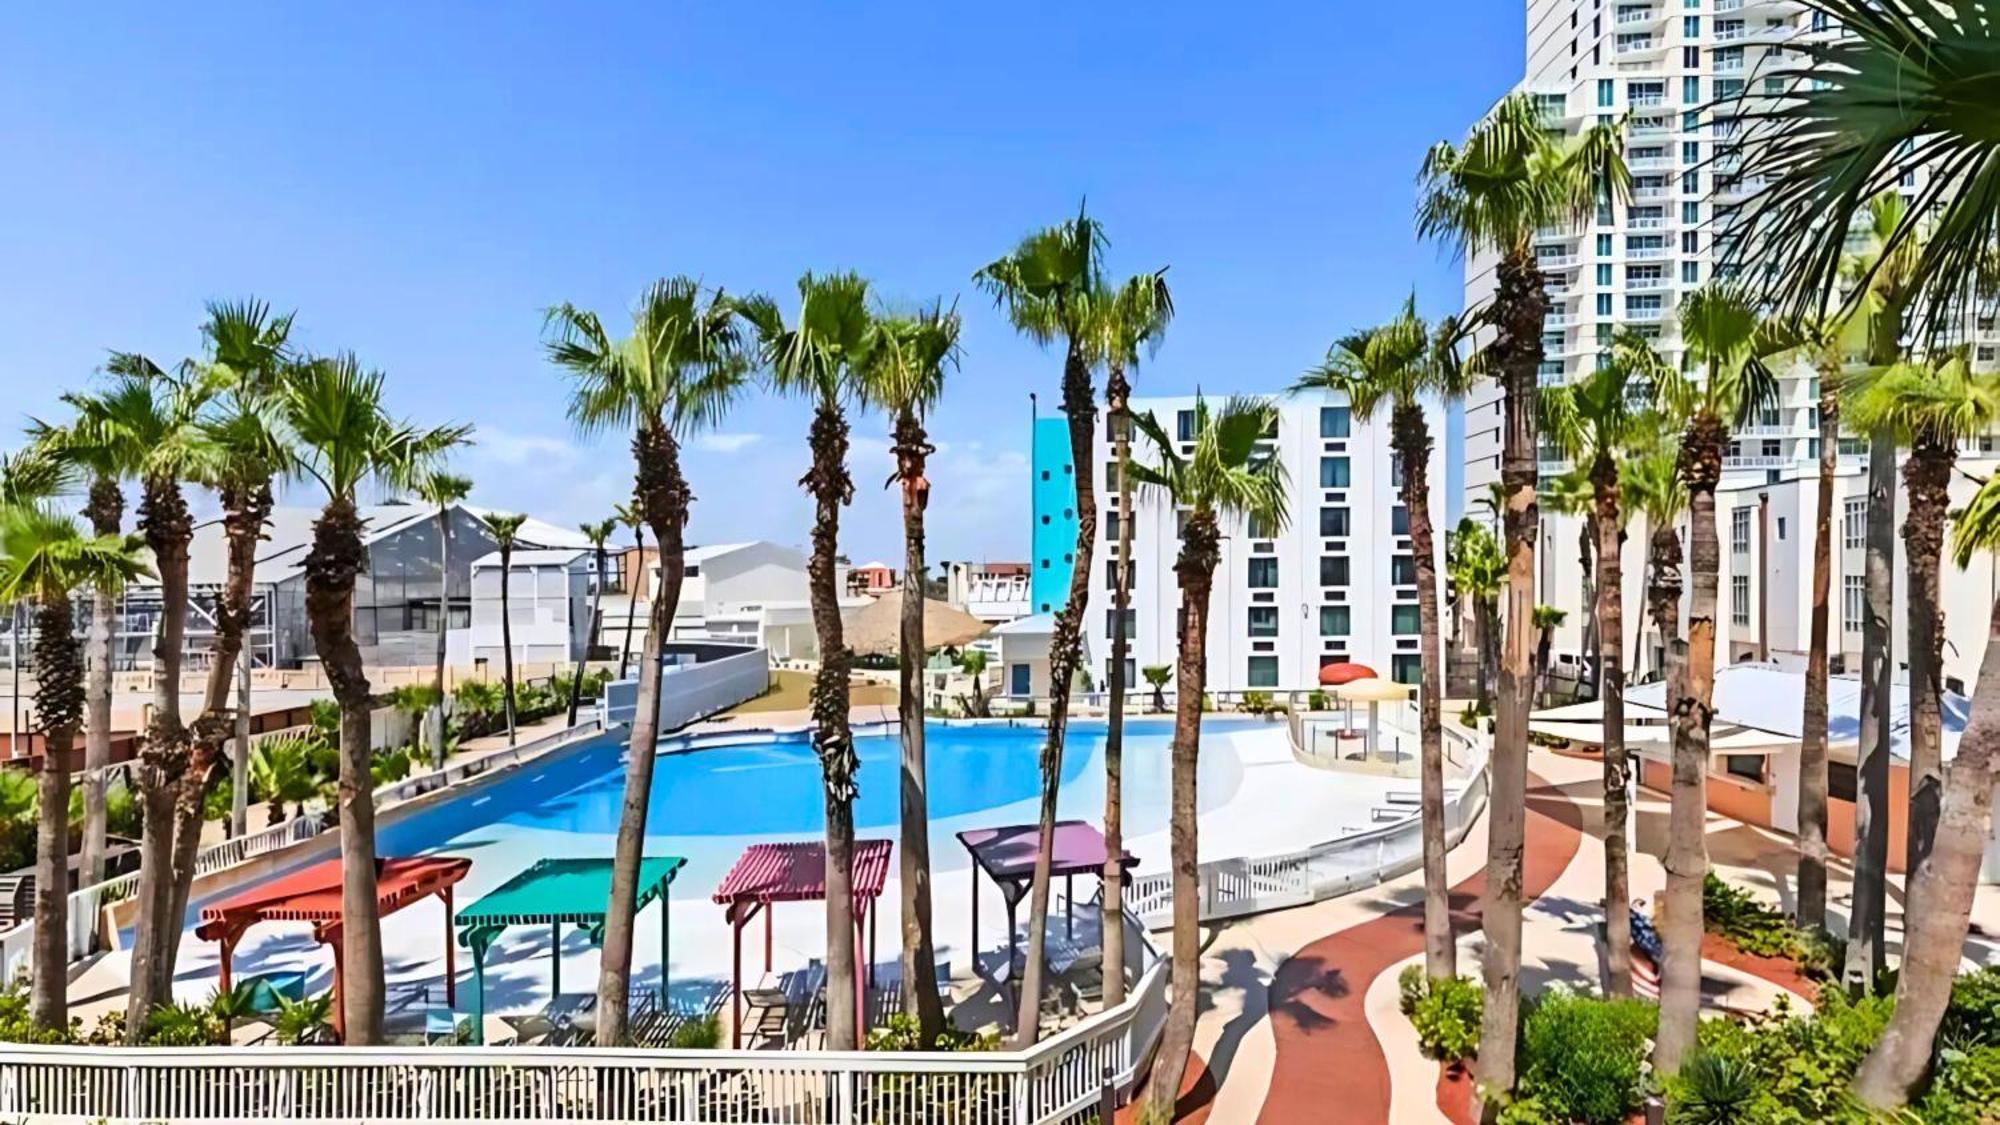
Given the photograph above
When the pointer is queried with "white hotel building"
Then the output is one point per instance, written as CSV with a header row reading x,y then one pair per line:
x,y
1336,584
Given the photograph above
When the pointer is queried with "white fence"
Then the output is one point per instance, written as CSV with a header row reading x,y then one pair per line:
x,y
718,676
1230,888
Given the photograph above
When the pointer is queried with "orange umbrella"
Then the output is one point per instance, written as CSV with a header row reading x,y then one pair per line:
x,y
1333,675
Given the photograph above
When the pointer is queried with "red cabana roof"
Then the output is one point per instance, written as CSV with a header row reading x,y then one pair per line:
x,y
768,873
313,894
1333,675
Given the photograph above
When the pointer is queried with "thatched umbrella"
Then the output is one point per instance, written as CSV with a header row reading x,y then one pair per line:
x,y
875,629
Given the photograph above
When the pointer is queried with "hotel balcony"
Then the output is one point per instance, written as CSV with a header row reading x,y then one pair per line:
x,y
1557,234
1647,101
1556,263
1651,164
1755,462
1729,66
1640,48
1645,253
1558,320
1648,127
1645,315
1647,284
1650,222
1650,193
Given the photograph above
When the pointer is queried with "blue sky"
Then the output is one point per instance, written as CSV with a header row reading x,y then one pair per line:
x,y
419,181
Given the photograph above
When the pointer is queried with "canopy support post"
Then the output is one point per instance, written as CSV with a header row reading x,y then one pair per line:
x,y
450,955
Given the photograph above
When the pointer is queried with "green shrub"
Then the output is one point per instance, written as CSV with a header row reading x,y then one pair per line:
x,y
1256,702
1712,1089
704,1033
1316,700
1446,1018
182,1025
1965,1089
901,1033
1583,1057
1411,984
1802,1064
1972,1019
1761,931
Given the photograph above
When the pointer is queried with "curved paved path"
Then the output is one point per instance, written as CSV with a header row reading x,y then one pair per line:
x,y
1328,1064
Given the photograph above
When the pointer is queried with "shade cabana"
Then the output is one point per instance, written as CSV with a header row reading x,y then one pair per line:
x,y
557,893
768,874
1008,855
1335,674
313,895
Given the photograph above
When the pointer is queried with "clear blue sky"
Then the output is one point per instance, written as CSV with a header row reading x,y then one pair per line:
x,y
419,181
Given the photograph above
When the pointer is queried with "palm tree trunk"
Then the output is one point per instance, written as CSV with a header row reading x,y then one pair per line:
x,y
920,990
1927,481
1610,633
106,511
1196,570
589,637
1117,399
662,496
633,585
1587,547
1865,955
507,635
163,517
1412,440
337,556
443,631
1687,846
1519,305
1065,658
1812,741
1940,898
831,488
59,702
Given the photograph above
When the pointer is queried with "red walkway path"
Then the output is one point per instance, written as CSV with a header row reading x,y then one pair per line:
x,y
1328,1065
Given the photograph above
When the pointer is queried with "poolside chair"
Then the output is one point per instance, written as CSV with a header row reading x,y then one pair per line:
x,y
1085,979
445,1027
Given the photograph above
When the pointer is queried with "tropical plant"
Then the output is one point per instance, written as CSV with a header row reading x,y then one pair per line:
x,y
1727,340
1226,476
906,378
1583,1057
598,533
822,357
977,705
1511,177
442,491
1398,365
1593,422
505,528
1567,494
637,581
1157,677
307,1022
346,438
1714,1089
686,359
1547,620
45,559
281,770
1478,573
1051,285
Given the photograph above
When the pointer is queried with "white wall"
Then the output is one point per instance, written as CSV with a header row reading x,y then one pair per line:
x,y
722,677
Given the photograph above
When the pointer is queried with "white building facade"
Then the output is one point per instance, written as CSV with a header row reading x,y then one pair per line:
x,y
1336,584
547,606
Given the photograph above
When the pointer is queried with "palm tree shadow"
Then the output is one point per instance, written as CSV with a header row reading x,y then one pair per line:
x,y
1299,987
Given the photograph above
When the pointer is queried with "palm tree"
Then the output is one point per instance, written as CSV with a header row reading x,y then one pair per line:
x,y
973,663
1592,421
442,491
1399,365
1568,494
822,357
1510,178
1650,481
1478,572
1130,320
1931,409
629,515
45,558
1724,336
677,372
281,770
345,438
505,527
1547,620
906,379
598,533
1226,476
1050,286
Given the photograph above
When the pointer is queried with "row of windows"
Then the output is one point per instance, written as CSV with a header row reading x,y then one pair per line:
x,y
1262,622
1262,671
1334,422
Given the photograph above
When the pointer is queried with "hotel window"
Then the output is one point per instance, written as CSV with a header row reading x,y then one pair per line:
x,y
1111,526
1261,528
1263,574
1333,570
1263,671
1739,530
1690,152
1335,421
1403,621
1690,273
1117,426
1402,570
1605,95
1399,520
1739,599
1111,624
1604,246
1690,211
1690,27
1853,602
1111,569
1334,522
1184,425
1604,273
1691,88
1263,621
1854,522
1749,767
1335,472
1407,668
1335,620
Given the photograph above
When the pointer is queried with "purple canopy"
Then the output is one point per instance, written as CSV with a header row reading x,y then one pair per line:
x,y
1008,854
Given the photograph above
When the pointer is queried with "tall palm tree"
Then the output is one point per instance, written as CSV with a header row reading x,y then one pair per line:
x,y
1227,476
905,379
1568,494
1400,365
345,438
1130,320
1724,337
1930,408
442,491
45,558
678,371
629,515
1049,286
1593,421
505,528
1510,178
1650,480
821,357
1478,572
598,533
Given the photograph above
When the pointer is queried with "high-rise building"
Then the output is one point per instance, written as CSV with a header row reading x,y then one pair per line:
x,y
1053,508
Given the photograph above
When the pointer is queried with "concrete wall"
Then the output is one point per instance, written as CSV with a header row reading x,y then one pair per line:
x,y
699,679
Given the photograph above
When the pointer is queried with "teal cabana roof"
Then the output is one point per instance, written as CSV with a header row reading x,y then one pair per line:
x,y
565,891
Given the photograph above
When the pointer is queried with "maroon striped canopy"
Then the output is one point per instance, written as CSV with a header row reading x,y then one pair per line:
x,y
770,873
